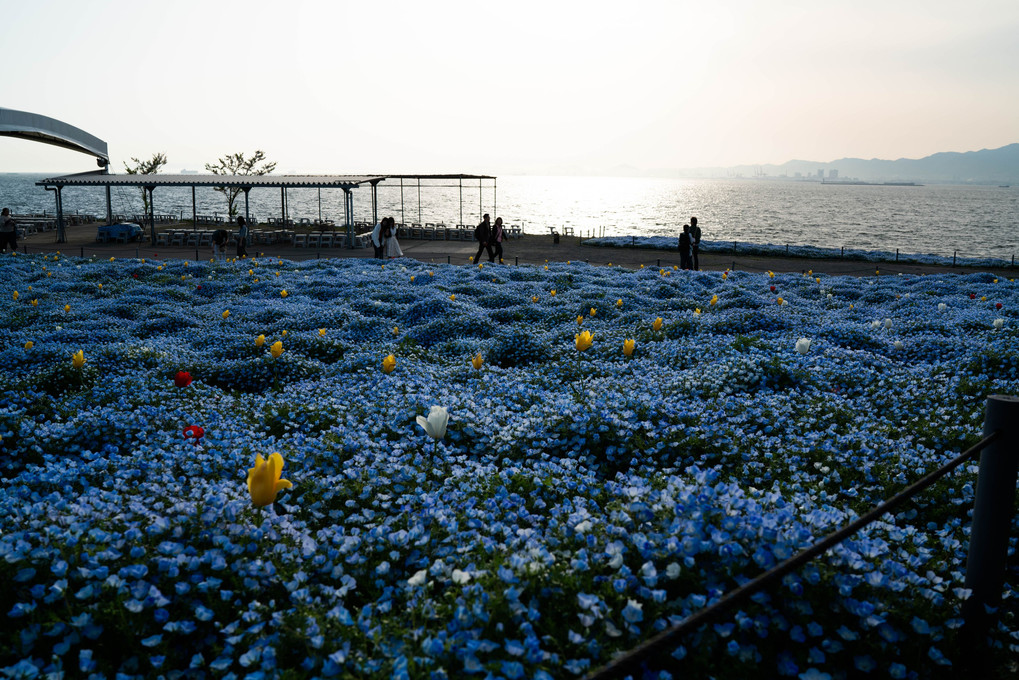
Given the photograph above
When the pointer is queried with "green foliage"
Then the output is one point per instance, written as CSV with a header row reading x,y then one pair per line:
x,y
237,164
149,167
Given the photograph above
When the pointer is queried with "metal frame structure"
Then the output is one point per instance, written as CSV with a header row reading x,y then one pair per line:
x,y
346,183
38,128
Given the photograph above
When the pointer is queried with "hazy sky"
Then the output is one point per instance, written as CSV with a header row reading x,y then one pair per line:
x,y
334,86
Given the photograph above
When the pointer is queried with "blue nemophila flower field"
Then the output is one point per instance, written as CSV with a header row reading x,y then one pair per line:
x,y
576,503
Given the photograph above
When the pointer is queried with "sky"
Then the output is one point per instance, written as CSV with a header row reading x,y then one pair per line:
x,y
523,87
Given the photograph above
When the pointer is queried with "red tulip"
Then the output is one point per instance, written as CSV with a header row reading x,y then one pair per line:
x,y
134,275
194,433
972,296
997,305
773,289
182,379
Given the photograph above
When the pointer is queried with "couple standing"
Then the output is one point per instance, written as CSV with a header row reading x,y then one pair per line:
x,y
689,245
384,239
490,238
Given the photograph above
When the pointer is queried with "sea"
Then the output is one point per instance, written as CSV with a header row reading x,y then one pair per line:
x,y
968,220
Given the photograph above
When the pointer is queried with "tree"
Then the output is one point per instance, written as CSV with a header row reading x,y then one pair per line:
x,y
149,167
237,164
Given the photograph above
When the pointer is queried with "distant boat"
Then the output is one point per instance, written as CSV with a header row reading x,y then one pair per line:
x,y
1003,186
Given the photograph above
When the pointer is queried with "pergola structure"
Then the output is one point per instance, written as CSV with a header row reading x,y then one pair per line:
x,y
245,183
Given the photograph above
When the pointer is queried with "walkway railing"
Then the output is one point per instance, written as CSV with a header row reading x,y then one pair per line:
x,y
985,567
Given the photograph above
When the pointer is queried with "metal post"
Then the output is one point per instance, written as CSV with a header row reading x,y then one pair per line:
x,y
495,199
993,509
403,218
419,201
461,200
283,206
246,217
61,236
194,212
319,204
896,254
954,254
152,215
109,206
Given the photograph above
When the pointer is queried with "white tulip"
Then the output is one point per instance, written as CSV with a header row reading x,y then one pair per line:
x,y
998,323
875,324
803,345
460,577
583,527
888,323
897,344
942,306
435,424
418,579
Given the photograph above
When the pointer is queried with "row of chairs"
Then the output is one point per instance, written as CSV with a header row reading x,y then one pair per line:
x,y
440,232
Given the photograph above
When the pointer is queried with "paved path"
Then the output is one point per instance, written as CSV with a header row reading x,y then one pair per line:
x,y
531,249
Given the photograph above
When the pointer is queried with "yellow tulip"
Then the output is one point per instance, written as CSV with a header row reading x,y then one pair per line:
x,y
67,308
321,332
552,293
725,275
100,286
771,275
628,346
593,311
470,259
780,301
276,350
111,259
283,293
29,345
388,364
714,299
657,325
697,311
619,302
259,341
453,297
264,480
35,302
78,359
16,296
477,361
396,330
534,298
584,341
284,332
226,313
580,320
412,279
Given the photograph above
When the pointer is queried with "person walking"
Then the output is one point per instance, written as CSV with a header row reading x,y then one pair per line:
x,y
482,234
8,232
695,242
242,237
495,242
684,248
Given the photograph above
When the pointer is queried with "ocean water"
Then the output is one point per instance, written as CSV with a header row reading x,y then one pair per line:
x,y
973,221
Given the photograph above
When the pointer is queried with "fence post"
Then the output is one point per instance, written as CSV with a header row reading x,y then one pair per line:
x,y
992,513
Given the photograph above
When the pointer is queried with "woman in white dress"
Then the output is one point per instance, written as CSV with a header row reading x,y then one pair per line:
x,y
392,245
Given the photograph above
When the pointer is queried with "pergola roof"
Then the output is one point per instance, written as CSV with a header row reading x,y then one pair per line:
x,y
39,128
209,180
240,180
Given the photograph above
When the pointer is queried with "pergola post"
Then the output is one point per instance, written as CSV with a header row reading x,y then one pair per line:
x,y
461,200
109,206
61,237
246,217
283,206
152,214
403,218
194,211
348,209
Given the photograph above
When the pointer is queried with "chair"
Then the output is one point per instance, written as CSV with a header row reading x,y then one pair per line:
x,y
415,231
314,240
326,241
162,239
301,240
192,239
178,239
428,232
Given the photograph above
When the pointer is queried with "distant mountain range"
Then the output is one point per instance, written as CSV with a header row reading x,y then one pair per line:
x,y
987,166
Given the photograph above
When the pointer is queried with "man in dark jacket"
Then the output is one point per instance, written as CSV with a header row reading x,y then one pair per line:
x,y
684,248
482,234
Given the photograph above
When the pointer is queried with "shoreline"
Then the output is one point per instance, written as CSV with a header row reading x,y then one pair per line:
x,y
534,249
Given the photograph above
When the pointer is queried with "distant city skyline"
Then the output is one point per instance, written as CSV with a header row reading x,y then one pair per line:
x,y
526,88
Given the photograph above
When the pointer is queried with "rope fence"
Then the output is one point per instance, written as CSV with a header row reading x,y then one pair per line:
x,y
992,518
